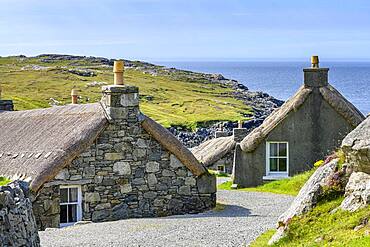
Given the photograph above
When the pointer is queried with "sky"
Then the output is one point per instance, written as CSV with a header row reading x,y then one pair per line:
x,y
188,30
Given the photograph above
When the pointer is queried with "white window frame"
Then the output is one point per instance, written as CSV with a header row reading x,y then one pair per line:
x,y
79,203
223,168
273,174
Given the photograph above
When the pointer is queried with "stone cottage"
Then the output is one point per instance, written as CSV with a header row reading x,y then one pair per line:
x,y
303,130
102,161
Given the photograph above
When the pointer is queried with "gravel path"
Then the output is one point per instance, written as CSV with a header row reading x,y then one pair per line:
x,y
247,215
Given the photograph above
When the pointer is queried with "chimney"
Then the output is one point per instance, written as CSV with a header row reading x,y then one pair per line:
x,y
74,96
315,76
5,105
240,132
120,102
240,124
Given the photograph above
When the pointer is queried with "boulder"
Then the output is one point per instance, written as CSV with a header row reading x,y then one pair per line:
x,y
357,192
356,146
307,197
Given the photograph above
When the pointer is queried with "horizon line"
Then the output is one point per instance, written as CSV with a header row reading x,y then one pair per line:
x,y
203,59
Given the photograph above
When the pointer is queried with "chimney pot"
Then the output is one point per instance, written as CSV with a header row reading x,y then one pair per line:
x,y
118,72
315,61
74,96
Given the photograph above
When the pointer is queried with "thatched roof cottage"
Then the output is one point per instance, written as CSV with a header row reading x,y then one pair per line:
x,y
218,153
303,130
102,161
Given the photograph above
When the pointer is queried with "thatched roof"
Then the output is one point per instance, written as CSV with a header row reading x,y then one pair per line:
x,y
330,95
342,105
37,144
212,150
251,141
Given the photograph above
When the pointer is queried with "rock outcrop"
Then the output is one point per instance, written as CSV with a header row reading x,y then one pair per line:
x,y
356,147
307,197
357,192
17,222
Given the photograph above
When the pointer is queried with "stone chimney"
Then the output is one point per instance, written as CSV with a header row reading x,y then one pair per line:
x,y
120,102
240,132
5,105
315,76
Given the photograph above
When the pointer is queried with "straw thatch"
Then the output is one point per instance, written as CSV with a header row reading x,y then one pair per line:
x,y
213,150
342,105
251,141
329,94
172,144
37,144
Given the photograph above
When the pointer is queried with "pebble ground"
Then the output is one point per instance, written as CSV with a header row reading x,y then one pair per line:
x,y
246,215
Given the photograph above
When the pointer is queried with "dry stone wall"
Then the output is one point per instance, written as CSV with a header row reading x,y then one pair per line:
x,y
17,222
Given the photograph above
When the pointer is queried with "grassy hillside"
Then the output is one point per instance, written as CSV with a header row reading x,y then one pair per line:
x,y
31,82
325,227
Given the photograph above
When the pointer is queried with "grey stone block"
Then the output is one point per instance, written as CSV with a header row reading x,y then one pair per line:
x,y
206,184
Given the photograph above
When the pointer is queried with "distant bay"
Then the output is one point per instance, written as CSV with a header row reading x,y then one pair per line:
x,y
282,79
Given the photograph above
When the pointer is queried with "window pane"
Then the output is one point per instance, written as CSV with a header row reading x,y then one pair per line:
x,y
282,149
63,195
273,149
282,164
72,213
273,164
73,194
63,214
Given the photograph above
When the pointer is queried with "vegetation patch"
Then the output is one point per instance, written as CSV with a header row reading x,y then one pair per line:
x,y
219,207
4,181
289,186
219,174
325,225
173,100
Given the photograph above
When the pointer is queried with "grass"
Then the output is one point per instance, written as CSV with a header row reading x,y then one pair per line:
x,y
218,173
219,207
169,100
320,227
289,186
4,181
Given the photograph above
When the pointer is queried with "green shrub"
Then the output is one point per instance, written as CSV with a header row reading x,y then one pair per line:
x,y
4,181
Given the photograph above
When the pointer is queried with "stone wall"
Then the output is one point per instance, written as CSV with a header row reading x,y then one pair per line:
x,y
17,222
127,173
6,105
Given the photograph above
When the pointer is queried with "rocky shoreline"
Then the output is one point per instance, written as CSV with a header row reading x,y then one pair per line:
x,y
261,103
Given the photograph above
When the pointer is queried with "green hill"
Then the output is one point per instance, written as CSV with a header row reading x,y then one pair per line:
x,y
172,97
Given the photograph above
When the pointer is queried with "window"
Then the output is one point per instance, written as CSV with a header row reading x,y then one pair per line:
x,y
221,168
70,205
277,158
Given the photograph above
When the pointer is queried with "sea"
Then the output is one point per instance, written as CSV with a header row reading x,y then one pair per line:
x,y
282,79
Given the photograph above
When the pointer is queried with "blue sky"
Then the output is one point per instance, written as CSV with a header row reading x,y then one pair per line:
x,y
188,30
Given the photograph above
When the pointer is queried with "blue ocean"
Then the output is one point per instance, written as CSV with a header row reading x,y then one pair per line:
x,y
282,79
